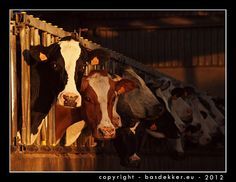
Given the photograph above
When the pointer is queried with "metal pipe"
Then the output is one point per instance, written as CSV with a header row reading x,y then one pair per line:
x,y
14,109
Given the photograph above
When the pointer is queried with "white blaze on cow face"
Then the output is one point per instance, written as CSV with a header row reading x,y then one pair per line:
x,y
219,117
182,109
166,95
70,51
208,126
101,86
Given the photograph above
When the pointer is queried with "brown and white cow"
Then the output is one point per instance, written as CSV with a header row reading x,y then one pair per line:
x,y
99,97
99,93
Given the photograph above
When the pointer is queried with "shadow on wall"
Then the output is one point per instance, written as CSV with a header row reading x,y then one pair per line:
x,y
209,79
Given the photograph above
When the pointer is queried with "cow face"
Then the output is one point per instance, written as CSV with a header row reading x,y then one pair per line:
x,y
213,110
64,64
99,94
141,102
181,107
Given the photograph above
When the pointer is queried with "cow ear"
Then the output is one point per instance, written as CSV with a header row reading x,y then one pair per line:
x,y
39,53
95,61
98,57
124,85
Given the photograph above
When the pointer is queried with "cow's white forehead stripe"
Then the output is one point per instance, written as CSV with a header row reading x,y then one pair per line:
x,y
70,51
101,86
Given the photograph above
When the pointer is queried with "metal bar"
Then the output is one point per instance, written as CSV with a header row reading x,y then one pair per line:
x,y
44,131
52,113
44,136
120,58
23,94
14,109
44,26
27,88
48,40
35,40
36,37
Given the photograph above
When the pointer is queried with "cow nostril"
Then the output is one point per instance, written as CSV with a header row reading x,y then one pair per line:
x,y
76,97
106,131
65,97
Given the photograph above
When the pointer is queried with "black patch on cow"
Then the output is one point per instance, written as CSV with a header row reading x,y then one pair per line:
x,y
204,114
67,38
48,79
178,92
81,66
189,90
102,55
207,105
125,143
193,128
165,85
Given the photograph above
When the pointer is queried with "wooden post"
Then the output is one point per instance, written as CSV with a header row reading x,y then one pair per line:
x,y
14,109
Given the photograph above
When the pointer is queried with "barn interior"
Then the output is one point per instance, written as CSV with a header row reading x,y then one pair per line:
x,y
188,46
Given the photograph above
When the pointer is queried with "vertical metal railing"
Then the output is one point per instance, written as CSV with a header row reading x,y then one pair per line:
x,y
25,84
13,83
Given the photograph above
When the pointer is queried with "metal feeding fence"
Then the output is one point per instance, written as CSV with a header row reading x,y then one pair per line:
x,y
26,31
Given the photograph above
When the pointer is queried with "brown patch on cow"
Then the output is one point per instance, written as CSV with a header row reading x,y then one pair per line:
x,y
90,107
64,117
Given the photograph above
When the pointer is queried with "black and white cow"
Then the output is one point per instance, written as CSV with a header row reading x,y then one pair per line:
x,y
172,93
56,74
208,127
132,107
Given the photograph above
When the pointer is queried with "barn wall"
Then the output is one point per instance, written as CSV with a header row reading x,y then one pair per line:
x,y
191,54
209,79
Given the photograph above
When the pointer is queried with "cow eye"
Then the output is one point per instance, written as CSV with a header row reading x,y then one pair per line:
x,y
55,66
87,99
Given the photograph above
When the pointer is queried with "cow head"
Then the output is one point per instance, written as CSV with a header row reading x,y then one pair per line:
x,y
99,94
141,103
64,64
181,107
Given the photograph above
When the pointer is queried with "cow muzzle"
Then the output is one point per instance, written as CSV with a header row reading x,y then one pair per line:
x,y
69,100
106,132
154,112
